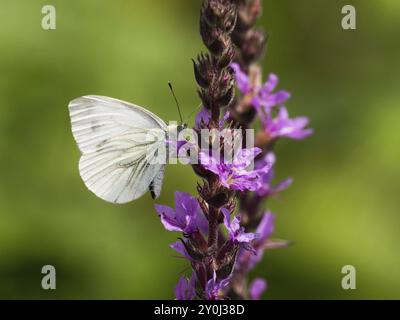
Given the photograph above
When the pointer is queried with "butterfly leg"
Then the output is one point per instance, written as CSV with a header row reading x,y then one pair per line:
x,y
151,189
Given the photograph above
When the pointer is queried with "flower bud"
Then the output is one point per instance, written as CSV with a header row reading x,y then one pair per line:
x,y
226,259
248,13
253,46
226,57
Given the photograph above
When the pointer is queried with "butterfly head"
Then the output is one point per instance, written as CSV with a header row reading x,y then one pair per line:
x,y
182,127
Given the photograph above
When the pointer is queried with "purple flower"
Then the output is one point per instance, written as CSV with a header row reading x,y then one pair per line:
x,y
263,99
187,216
186,289
235,174
257,288
265,227
242,79
248,260
203,119
237,233
214,286
266,189
262,96
283,126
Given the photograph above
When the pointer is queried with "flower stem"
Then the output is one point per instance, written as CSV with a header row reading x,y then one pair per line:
x,y
213,228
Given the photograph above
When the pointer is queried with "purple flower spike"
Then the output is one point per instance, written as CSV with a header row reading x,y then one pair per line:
x,y
237,233
185,289
264,99
221,247
235,175
187,216
283,126
257,288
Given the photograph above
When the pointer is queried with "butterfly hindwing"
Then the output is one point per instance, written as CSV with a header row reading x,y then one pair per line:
x,y
156,183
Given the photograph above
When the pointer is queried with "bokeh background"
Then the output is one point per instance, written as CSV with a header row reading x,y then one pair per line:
x,y
342,209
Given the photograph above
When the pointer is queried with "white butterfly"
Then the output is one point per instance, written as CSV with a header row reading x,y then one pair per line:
x,y
117,155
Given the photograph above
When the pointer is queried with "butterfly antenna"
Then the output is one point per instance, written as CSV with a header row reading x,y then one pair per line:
x,y
176,101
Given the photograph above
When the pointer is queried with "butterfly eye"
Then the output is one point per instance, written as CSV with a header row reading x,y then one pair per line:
x,y
182,127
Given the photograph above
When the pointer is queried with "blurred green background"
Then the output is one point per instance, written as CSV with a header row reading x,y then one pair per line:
x,y
342,209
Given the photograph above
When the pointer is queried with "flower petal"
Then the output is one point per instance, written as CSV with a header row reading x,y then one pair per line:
x,y
242,80
257,288
283,185
266,226
180,248
277,98
209,162
168,218
227,218
187,208
246,237
235,224
283,126
203,118
271,83
185,289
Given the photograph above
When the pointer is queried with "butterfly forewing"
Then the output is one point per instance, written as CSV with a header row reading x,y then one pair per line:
x,y
119,142
95,119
